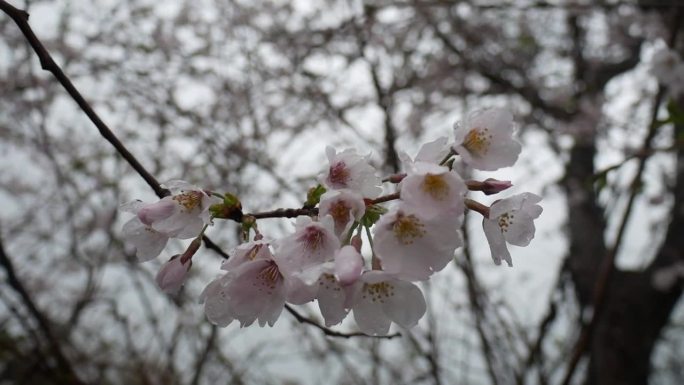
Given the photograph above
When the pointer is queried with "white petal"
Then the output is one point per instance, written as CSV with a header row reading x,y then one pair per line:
x,y
148,243
433,152
407,306
370,317
216,305
331,301
497,243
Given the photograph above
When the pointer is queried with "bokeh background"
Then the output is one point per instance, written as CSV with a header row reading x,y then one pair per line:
x,y
244,96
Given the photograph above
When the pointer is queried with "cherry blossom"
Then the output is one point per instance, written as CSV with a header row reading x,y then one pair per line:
x,y
434,189
414,246
348,170
311,244
485,140
254,290
381,299
181,215
344,206
511,220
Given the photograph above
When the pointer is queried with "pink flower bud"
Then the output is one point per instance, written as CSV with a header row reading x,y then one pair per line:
x,y
348,265
490,186
172,274
357,242
494,186
156,211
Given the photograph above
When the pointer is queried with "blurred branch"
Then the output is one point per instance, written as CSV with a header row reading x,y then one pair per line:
x,y
608,263
43,323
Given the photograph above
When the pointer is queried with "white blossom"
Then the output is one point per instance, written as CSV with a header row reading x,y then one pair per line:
x,y
511,220
344,206
381,299
348,170
414,246
485,140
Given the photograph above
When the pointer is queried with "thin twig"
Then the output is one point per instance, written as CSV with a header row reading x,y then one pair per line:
x,y
47,63
330,332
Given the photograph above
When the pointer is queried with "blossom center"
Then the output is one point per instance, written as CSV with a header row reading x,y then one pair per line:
x,y
436,186
478,140
340,212
505,221
378,292
329,282
252,253
339,174
407,228
268,277
313,238
189,200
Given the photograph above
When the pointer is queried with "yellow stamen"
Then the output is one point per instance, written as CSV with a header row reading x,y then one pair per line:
x,y
436,186
407,228
478,140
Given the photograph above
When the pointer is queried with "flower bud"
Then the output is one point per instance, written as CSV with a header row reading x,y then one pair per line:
x,y
172,274
490,186
348,265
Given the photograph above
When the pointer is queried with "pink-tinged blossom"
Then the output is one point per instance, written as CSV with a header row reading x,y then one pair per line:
x,y
381,299
172,274
511,220
311,244
414,246
485,140
344,206
190,210
253,291
246,252
434,189
348,170
181,215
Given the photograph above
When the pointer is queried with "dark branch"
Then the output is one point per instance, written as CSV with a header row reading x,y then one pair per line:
x,y
330,332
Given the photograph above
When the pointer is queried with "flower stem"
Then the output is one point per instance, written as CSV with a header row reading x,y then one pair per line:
x,y
477,206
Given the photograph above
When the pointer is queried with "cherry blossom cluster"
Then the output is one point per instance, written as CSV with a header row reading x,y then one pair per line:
x,y
668,68
322,258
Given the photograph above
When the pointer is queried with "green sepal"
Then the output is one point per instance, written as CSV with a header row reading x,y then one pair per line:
x,y
372,215
231,208
313,196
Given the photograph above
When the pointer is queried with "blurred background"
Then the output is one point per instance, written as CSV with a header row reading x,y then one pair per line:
x,y
243,96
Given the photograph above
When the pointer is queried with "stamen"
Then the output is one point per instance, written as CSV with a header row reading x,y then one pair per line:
x,y
436,186
407,228
505,221
189,200
313,238
478,140
339,174
268,277
340,213
378,292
